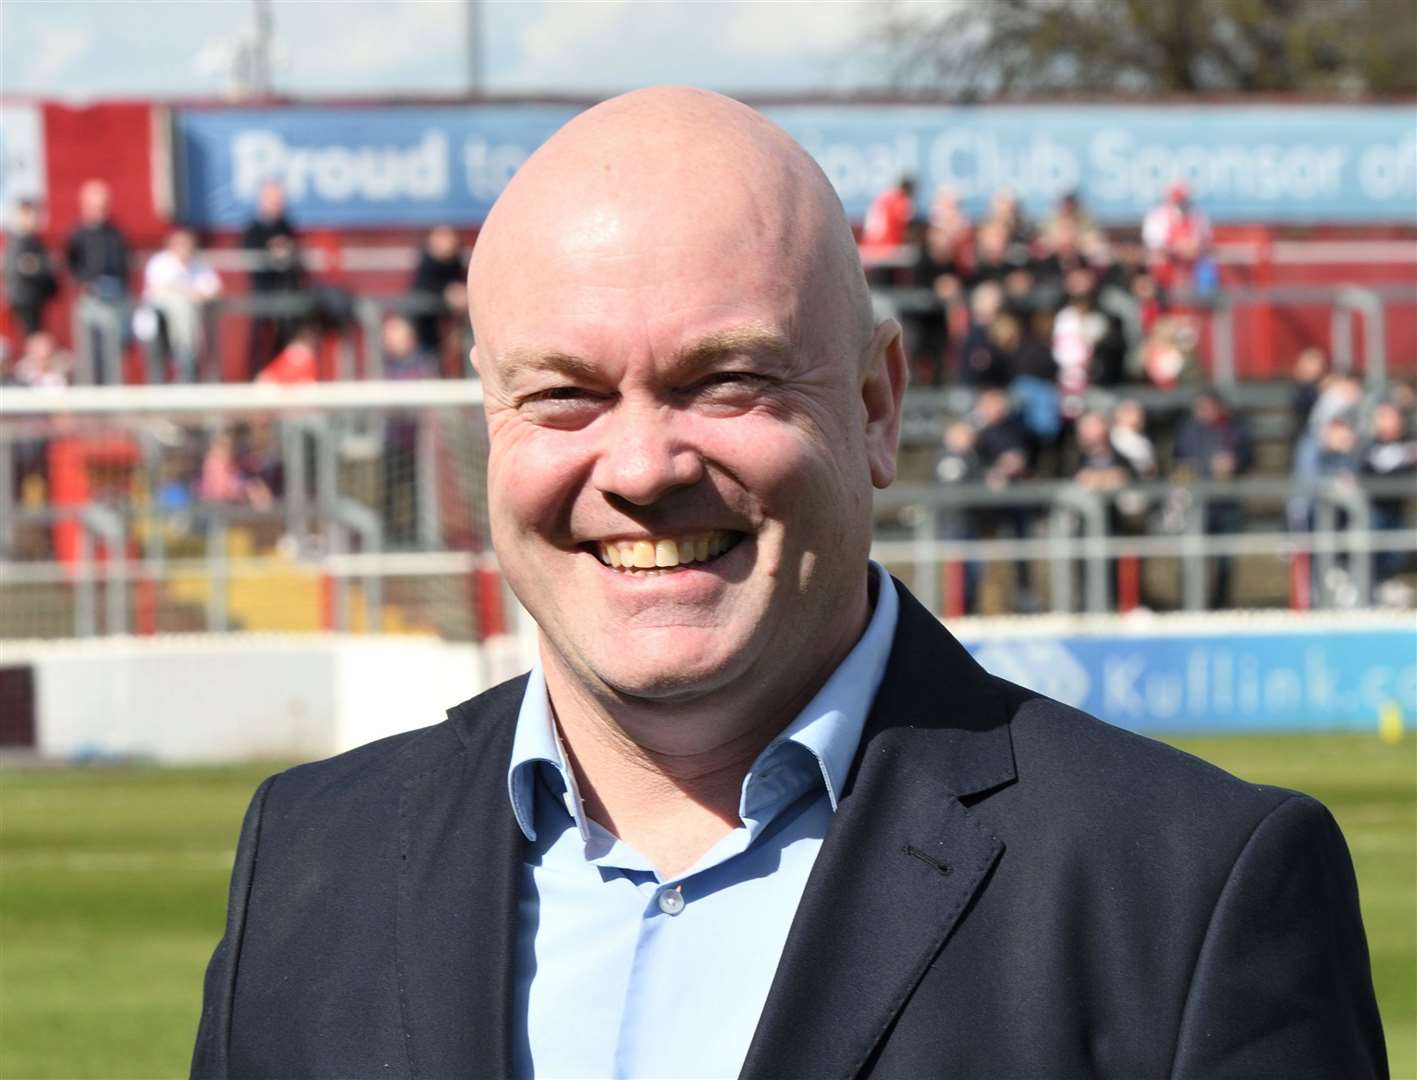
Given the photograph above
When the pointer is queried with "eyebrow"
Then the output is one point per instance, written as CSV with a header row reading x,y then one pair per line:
x,y
751,340
516,362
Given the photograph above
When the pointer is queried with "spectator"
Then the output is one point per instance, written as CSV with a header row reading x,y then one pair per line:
x,y
440,286
958,463
43,364
1390,453
1339,456
936,274
1215,445
1177,238
298,362
992,339
1168,355
224,480
1146,295
1069,213
1005,211
1310,368
1004,451
887,219
1059,252
1130,440
98,258
1002,440
271,241
1087,342
178,283
405,356
30,281
1100,467
1035,382
1103,470
1339,396
950,234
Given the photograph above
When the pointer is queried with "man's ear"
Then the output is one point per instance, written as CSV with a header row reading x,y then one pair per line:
x,y
882,391
472,359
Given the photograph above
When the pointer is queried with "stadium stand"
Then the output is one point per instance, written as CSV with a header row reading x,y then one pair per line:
x,y
1154,414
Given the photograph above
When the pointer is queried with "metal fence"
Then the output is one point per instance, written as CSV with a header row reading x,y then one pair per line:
x,y
1072,534
349,544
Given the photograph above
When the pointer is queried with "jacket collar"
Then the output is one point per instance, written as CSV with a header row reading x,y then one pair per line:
x,y
458,875
900,865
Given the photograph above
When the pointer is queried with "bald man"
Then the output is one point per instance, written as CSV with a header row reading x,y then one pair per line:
x,y
753,811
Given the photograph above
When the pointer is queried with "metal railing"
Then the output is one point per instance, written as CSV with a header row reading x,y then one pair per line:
x,y
101,331
1072,539
1076,533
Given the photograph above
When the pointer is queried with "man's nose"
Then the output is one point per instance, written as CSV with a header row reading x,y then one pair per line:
x,y
643,456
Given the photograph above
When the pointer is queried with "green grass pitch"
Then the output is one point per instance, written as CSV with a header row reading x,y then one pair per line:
x,y
113,888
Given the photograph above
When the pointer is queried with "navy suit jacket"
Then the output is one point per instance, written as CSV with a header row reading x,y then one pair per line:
x,y
1009,888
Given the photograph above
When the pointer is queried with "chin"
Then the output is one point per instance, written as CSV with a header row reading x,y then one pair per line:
x,y
674,664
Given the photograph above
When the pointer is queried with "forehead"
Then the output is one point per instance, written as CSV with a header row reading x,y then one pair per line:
x,y
646,279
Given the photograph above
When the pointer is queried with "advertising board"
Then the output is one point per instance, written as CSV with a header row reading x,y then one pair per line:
x,y
420,165
1219,679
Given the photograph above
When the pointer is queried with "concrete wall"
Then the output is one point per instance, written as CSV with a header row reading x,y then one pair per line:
x,y
227,697
233,696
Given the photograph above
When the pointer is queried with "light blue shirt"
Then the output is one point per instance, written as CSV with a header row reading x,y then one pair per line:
x,y
623,974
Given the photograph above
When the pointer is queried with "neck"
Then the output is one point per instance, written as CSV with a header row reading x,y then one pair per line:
x,y
667,777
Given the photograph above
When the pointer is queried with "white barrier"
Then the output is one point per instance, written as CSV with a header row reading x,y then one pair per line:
x,y
229,697
225,697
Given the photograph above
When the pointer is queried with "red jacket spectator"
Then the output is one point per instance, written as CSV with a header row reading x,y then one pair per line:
x,y
298,362
889,217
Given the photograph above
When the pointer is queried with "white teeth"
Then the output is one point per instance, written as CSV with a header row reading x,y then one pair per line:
x,y
663,554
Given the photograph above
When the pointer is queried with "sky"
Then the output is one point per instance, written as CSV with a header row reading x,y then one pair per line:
x,y
91,49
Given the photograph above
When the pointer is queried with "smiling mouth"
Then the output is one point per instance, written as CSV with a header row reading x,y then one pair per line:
x,y
654,554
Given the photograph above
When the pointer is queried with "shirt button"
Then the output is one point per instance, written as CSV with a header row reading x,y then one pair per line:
x,y
671,901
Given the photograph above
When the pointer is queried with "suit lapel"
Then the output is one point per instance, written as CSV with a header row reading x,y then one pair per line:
x,y
900,865
457,898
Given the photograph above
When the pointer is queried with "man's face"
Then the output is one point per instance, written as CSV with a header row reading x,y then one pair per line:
x,y
662,388
93,202
182,244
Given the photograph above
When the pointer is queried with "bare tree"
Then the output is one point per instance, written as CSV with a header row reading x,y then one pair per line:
x,y
990,48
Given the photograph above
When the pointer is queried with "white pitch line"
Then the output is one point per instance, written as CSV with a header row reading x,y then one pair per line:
x,y
112,860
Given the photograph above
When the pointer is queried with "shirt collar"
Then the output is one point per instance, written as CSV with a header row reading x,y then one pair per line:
x,y
828,728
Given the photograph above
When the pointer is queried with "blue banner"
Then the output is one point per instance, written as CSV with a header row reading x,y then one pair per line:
x,y
1323,678
421,165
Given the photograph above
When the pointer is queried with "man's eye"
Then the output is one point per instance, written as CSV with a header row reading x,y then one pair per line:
x,y
560,393
722,383
560,406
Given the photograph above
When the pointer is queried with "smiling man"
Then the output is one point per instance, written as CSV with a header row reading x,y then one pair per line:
x,y
753,812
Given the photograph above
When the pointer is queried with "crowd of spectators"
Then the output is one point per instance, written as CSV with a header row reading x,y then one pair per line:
x,y
1034,317
1342,434
988,301
168,313
1038,318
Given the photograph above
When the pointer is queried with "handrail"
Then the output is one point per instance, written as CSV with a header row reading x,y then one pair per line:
x,y
355,519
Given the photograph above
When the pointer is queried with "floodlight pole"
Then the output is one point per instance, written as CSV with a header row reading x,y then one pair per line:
x,y
472,18
261,49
